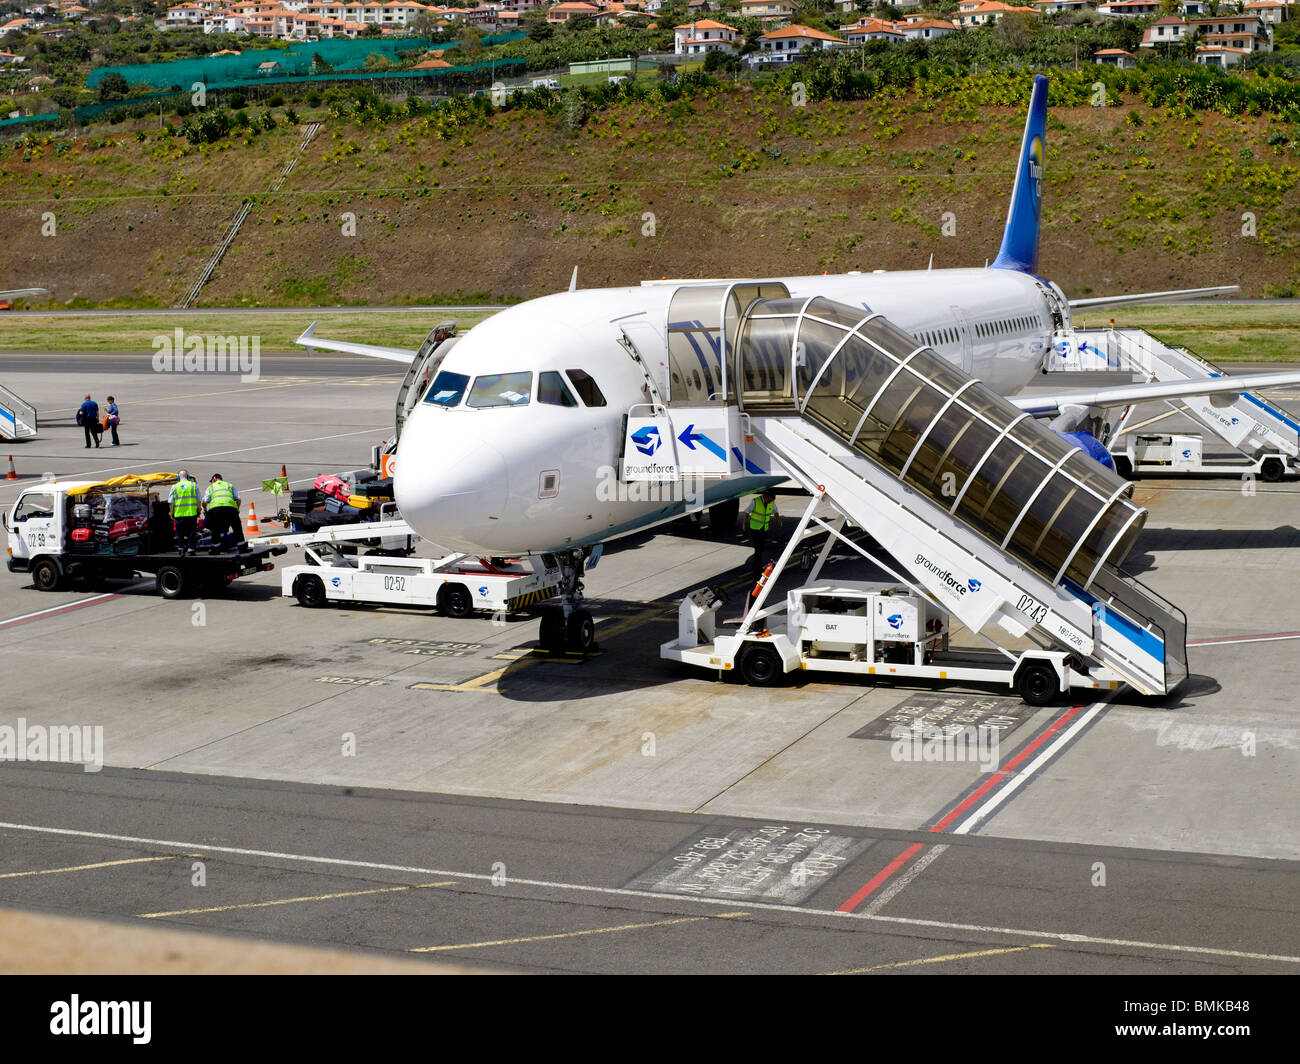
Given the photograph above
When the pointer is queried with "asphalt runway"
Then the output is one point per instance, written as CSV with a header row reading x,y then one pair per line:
x,y
381,779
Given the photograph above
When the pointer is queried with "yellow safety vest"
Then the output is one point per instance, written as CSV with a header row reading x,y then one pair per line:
x,y
221,493
185,499
760,518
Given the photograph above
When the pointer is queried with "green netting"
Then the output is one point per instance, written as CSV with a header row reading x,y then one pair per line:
x,y
7,122
294,62
89,111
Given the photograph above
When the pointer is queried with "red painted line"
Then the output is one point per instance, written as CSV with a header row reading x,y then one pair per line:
x,y
1005,770
55,613
875,881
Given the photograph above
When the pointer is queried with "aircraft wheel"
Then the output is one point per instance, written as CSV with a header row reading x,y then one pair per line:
x,y
1272,470
46,575
309,591
551,633
1123,466
1037,683
582,631
761,666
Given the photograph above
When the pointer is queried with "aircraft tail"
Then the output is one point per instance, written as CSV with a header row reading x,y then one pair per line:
x,y
1019,249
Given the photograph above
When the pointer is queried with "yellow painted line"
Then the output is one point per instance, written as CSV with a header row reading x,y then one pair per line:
x,y
941,960
576,934
101,864
294,901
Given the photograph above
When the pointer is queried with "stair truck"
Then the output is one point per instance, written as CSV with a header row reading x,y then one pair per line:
x,y
113,530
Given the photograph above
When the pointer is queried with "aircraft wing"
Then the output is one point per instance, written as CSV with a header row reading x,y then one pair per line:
x,y
1176,296
23,293
1146,391
310,340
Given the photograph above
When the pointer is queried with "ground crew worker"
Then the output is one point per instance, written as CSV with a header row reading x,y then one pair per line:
x,y
183,500
761,513
221,504
88,419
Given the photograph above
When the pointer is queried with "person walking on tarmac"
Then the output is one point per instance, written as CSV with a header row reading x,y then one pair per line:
x,y
761,513
88,419
111,420
221,504
184,502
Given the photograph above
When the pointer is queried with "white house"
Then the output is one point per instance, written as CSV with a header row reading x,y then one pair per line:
x,y
1115,57
925,29
1270,11
704,36
987,13
1128,8
1165,32
873,29
785,44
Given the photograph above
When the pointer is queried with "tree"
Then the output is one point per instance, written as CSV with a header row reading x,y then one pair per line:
x,y
113,86
319,65
538,28
424,25
579,24
372,30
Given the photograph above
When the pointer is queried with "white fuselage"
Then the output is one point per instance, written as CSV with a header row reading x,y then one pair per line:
x,y
530,477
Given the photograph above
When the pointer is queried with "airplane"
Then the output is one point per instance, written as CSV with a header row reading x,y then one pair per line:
x,y
525,413
7,297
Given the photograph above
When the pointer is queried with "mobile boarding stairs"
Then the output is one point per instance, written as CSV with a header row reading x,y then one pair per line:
x,y
1265,437
985,513
18,419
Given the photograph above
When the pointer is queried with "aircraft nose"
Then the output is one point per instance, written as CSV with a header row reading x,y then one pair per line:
x,y
451,484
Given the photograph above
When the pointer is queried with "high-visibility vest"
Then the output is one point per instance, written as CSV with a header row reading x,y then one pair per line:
x,y
221,493
760,518
185,499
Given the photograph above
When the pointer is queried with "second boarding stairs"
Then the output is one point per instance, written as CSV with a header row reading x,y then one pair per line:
x,y
18,419
1245,421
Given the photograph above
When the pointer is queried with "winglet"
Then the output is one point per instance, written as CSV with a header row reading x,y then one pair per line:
x,y
307,335
1019,249
573,281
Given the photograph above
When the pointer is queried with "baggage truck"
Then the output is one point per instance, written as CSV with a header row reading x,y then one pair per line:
x,y
115,529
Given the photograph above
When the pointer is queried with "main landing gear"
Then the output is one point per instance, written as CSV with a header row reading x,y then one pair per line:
x,y
569,626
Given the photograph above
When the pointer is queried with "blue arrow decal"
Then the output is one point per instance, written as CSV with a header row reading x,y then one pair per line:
x,y
750,467
691,438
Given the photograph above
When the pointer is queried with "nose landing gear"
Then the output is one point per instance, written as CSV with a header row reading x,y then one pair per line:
x,y
569,626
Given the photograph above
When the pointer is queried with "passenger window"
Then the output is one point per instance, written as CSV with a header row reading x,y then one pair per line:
x,y
447,389
585,385
501,389
552,391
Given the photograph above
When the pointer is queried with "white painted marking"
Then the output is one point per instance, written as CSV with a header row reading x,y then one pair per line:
x,y
1017,781
889,893
902,921
56,609
1242,639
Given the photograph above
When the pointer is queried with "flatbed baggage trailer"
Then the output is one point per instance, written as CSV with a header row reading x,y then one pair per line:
x,y
61,531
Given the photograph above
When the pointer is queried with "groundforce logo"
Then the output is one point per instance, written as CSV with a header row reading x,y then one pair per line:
x,y
946,576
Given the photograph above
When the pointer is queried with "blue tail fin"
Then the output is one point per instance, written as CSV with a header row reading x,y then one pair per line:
x,y
1019,249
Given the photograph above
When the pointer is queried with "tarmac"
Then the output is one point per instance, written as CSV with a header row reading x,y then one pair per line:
x,y
645,817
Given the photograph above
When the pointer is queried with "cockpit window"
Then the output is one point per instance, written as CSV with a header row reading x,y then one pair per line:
x,y
552,391
585,385
447,389
501,389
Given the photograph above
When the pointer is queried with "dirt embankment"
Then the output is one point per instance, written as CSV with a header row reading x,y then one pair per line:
x,y
737,184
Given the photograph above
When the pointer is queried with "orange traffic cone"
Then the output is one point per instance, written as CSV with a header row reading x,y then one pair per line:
x,y
250,527
284,472
13,473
